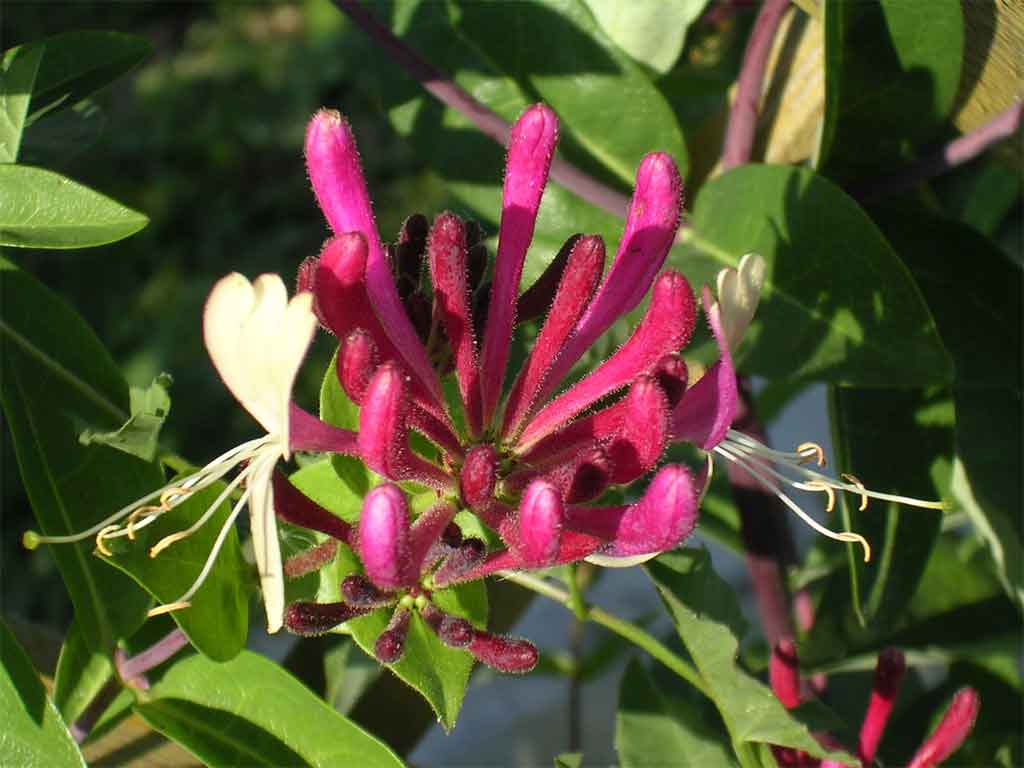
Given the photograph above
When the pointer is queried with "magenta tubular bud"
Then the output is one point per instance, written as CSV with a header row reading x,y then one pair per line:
x,y
479,474
541,516
311,619
784,673
708,408
447,253
332,160
357,360
664,329
293,506
309,560
383,432
650,230
889,672
427,532
384,538
340,290
671,374
505,654
362,593
465,558
574,291
531,147
661,520
644,432
538,298
390,643
952,730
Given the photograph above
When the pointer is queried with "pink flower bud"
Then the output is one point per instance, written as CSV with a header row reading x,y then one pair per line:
x,y
950,733
889,673
384,537
784,673
504,654
541,515
357,360
479,474
644,432
390,643
311,619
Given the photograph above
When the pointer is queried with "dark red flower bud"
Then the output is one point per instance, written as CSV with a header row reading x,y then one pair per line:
x,y
505,654
453,631
310,619
537,299
784,673
293,506
311,559
467,557
476,263
671,374
362,593
390,644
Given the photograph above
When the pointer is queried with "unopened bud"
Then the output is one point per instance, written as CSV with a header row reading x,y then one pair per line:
x,y
310,619
361,592
464,559
384,537
479,473
505,654
390,644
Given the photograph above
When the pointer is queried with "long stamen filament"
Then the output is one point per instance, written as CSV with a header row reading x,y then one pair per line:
x,y
844,536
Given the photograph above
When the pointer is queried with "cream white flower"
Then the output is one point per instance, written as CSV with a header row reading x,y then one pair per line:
x,y
257,339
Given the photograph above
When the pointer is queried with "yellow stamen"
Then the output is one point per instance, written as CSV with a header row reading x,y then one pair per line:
x,y
161,609
129,525
166,541
817,485
102,534
171,494
817,453
863,491
856,538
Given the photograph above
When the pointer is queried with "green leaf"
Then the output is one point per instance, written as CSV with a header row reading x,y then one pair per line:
x,y
18,69
837,303
218,620
77,64
140,435
976,297
56,142
348,673
80,676
653,729
42,209
569,760
651,31
708,621
895,441
892,71
336,408
33,733
249,711
57,379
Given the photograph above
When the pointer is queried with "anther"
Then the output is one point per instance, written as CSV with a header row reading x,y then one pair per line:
x,y
168,608
166,541
817,485
151,509
816,453
863,491
102,534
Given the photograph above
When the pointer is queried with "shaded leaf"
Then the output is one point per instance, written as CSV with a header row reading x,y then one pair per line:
x,y
18,69
217,620
652,729
650,31
349,673
57,379
54,143
33,733
837,302
80,676
249,711
139,435
42,209
708,621
569,760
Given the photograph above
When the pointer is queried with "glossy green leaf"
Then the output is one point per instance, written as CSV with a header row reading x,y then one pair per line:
x,y
42,209
57,379
139,435
218,620
33,733
18,68
892,73
653,729
348,673
79,63
708,621
80,676
837,303
901,442
249,711
976,297
651,31
336,408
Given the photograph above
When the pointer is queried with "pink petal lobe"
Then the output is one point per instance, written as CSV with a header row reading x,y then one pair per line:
x,y
531,148
583,270
541,514
308,433
708,408
644,432
293,506
650,230
332,160
447,252
384,538
664,329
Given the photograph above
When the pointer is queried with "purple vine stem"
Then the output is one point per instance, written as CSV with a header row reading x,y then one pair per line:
x,y
739,136
135,666
445,90
957,152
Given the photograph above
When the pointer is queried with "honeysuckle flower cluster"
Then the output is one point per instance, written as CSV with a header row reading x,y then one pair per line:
x,y
955,726
530,464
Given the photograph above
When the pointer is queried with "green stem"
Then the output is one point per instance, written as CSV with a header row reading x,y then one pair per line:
x,y
576,602
622,628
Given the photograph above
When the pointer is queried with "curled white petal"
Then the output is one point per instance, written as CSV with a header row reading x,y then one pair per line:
x,y
265,543
257,339
739,290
